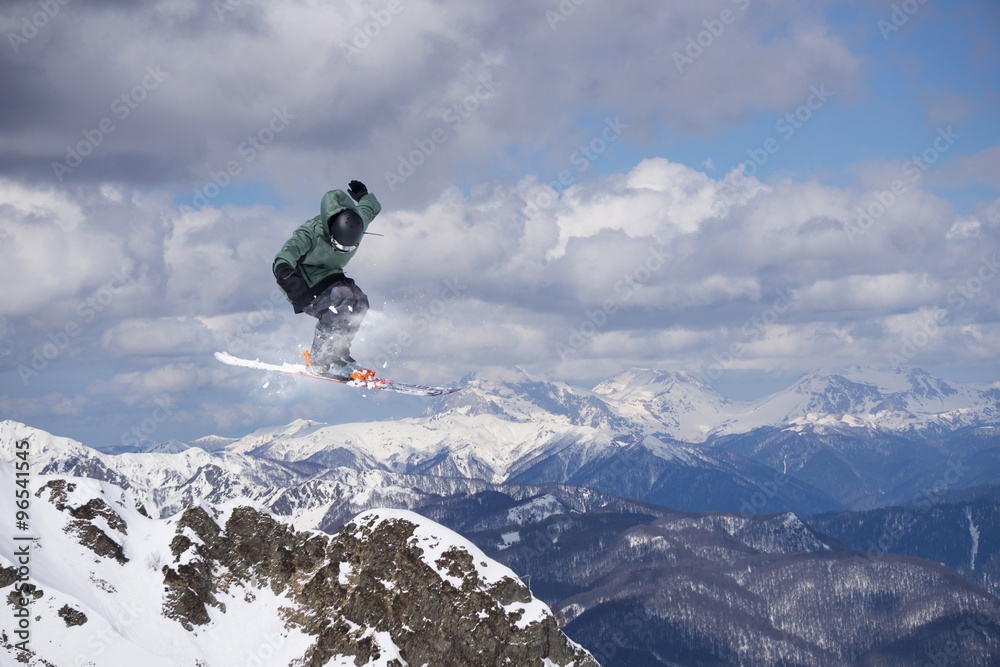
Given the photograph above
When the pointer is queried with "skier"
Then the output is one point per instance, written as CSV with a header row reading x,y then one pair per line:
x,y
310,271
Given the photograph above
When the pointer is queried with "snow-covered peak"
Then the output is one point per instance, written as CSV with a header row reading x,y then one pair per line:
x,y
41,442
665,393
893,399
168,447
822,392
646,383
434,540
890,380
212,443
499,375
509,393
297,429
53,453
675,404
870,390
514,395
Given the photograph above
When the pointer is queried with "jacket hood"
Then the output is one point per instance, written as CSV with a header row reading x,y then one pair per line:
x,y
334,202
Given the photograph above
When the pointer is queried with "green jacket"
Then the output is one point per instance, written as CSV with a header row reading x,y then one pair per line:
x,y
309,249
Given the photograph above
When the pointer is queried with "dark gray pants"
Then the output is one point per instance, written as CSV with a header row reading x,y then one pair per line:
x,y
340,309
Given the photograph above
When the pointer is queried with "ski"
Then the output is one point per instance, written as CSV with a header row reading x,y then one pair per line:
x,y
364,379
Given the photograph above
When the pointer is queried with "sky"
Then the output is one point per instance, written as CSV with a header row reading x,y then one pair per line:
x,y
740,189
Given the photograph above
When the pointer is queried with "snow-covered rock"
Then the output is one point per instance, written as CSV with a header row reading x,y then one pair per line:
x,y
230,584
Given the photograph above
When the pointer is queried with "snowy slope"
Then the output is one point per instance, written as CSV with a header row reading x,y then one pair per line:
x,y
229,585
122,601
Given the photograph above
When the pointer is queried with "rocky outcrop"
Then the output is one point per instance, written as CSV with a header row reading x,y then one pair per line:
x,y
369,589
87,532
232,584
72,616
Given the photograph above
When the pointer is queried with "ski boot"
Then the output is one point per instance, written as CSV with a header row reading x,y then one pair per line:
x,y
345,369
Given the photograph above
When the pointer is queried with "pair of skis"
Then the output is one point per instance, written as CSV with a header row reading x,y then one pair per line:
x,y
362,378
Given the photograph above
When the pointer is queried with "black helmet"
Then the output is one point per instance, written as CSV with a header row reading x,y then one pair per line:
x,y
346,230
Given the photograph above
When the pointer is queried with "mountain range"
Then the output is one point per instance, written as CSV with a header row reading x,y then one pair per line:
x,y
830,442
643,585
846,439
681,406
654,477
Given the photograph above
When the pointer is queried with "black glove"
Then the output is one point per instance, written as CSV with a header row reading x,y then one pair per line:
x,y
357,190
292,284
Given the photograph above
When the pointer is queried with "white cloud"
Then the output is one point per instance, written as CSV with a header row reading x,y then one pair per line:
x,y
874,293
469,281
965,228
159,381
663,200
48,252
482,261
159,336
225,72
